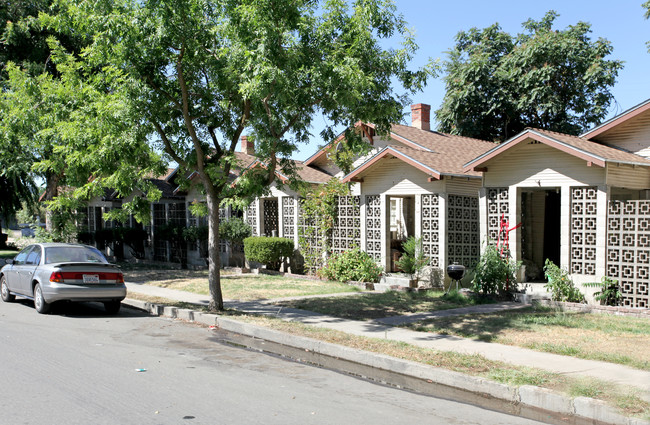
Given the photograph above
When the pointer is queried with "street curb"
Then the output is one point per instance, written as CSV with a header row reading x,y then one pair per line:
x,y
526,396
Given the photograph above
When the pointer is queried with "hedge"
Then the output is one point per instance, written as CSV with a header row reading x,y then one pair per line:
x,y
269,251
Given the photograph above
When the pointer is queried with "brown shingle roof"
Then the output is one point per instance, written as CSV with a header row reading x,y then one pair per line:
x,y
448,152
607,153
310,174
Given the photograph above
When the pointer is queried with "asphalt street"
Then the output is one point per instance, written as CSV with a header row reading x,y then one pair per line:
x,y
80,366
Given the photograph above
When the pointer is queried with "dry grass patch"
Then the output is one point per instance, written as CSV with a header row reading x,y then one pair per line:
x,y
614,339
377,305
237,287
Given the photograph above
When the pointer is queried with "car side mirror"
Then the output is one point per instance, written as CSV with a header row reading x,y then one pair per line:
x,y
10,261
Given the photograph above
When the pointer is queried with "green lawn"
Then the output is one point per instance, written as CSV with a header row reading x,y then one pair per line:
x,y
378,305
614,339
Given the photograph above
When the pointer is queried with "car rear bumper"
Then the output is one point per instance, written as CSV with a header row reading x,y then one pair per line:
x,y
60,291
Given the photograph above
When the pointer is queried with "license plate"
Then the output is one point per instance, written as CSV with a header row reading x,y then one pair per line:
x,y
91,278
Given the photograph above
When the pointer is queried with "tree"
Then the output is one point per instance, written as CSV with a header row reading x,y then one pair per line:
x,y
75,133
498,84
206,70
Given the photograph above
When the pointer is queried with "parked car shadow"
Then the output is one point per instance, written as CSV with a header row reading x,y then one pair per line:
x,y
82,310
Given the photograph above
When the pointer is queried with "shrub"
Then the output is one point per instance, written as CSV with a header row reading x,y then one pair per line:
x,y
494,275
610,292
234,230
561,285
268,251
413,260
352,265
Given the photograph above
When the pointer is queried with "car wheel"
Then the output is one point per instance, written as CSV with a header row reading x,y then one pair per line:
x,y
39,302
112,307
4,290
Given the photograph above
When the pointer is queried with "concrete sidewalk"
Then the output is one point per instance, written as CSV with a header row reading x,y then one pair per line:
x,y
382,329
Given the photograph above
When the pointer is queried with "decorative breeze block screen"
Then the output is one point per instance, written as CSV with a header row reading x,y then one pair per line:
x,y
347,227
270,217
628,250
463,234
584,207
430,228
251,217
310,238
373,226
497,206
288,217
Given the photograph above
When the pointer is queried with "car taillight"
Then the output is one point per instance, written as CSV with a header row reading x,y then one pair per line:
x,y
56,277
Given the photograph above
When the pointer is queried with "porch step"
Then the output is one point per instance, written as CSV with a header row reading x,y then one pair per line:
x,y
386,283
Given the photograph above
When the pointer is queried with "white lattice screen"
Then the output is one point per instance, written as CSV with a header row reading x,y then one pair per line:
x,y
584,208
463,235
373,226
497,206
288,217
347,227
311,241
251,217
431,228
628,250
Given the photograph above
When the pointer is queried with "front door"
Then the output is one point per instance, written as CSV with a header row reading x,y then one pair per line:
x,y
552,227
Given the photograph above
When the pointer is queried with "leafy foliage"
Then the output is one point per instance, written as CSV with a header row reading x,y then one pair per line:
x,y
494,275
319,208
610,291
498,84
413,259
268,251
235,230
560,284
353,265
199,72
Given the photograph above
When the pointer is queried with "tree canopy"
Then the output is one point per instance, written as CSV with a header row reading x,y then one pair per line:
x,y
202,72
498,84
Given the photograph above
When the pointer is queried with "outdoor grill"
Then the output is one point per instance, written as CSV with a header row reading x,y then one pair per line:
x,y
455,273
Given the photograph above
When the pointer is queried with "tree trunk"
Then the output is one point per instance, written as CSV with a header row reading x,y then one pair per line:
x,y
51,192
214,255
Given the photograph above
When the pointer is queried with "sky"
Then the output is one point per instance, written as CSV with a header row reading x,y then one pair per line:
x,y
436,24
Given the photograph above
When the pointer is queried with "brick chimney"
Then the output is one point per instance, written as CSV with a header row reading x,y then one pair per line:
x,y
247,146
420,116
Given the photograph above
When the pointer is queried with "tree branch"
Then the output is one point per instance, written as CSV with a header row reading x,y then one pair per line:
x,y
168,146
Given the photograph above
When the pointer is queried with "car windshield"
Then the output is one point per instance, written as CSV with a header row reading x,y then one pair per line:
x,y
73,254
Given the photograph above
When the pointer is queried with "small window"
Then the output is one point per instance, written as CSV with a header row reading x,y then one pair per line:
x,y
34,257
22,255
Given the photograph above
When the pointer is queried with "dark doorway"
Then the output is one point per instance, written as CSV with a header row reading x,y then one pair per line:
x,y
540,231
552,226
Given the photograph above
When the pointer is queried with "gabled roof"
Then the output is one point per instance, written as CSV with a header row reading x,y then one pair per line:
x,y
435,164
434,153
617,120
305,173
592,152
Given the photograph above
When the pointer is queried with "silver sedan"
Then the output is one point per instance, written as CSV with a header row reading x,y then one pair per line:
x,y
50,272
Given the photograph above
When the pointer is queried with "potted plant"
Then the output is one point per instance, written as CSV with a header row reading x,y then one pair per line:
x,y
413,260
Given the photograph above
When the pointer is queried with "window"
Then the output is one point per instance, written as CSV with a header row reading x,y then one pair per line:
x,y
22,255
34,257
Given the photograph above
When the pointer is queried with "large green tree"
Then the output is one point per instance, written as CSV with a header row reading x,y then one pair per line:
x,y
498,84
208,70
75,132
24,44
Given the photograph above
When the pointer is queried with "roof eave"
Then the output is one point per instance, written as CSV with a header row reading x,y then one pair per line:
x,y
617,120
543,138
397,154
